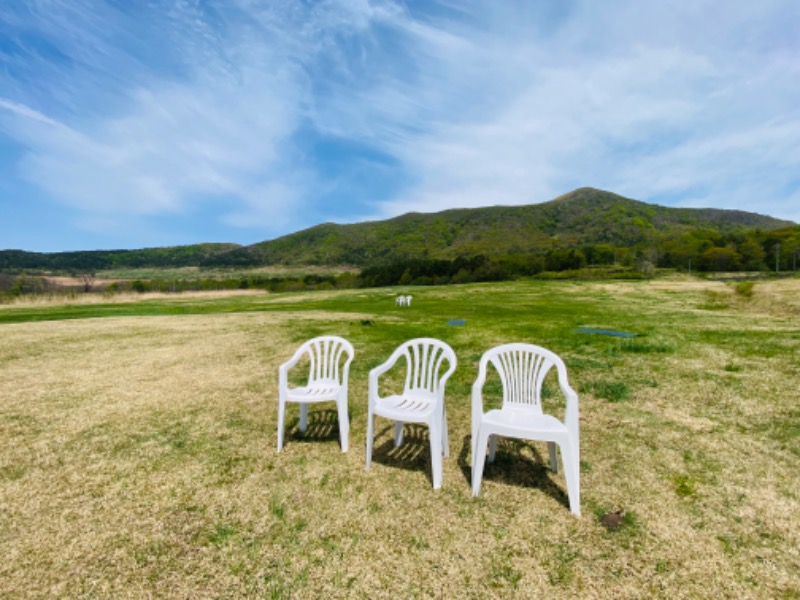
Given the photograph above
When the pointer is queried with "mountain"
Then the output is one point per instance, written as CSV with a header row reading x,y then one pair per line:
x,y
584,217
96,260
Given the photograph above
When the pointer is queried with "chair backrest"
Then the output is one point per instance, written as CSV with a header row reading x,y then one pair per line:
x,y
522,369
329,356
425,361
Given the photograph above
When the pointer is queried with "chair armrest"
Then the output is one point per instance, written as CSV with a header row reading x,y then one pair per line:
x,y
390,362
374,394
283,370
346,374
283,379
477,400
453,363
571,415
295,358
477,403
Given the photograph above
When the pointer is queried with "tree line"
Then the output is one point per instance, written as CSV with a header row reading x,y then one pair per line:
x,y
700,250
703,249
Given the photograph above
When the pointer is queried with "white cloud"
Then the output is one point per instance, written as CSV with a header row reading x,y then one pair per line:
x,y
174,142
215,133
27,113
639,103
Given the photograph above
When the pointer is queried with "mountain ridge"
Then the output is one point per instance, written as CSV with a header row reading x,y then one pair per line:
x,y
584,217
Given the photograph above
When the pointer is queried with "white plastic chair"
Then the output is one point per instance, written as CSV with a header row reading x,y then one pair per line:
x,y
422,398
522,369
329,365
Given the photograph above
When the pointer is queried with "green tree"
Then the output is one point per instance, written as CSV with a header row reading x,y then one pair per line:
x,y
720,259
752,255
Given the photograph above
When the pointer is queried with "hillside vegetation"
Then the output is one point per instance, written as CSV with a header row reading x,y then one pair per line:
x,y
96,260
585,217
583,228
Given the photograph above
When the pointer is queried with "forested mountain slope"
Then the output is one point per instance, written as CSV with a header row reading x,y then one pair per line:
x,y
596,223
585,217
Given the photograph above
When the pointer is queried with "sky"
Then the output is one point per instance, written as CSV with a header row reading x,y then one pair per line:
x,y
141,123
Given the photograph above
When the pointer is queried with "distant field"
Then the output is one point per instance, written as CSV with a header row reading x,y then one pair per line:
x,y
138,448
208,273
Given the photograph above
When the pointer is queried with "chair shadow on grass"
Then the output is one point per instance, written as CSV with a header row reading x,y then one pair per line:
x,y
413,454
322,427
514,466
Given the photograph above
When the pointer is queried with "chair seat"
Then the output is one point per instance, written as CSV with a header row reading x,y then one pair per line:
x,y
521,423
413,406
317,392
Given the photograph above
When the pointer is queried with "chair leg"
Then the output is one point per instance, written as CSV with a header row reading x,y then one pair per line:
x,y
572,474
303,417
445,441
474,440
370,427
493,447
344,424
281,413
435,433
551,447
398,433
478,460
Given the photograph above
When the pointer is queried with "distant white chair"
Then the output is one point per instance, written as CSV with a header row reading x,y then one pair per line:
x,y
522,369
329,360
429,363
403,300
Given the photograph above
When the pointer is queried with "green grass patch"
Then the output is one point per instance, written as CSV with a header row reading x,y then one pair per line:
x,y
714,300
744,289
644,347
685,486
613,391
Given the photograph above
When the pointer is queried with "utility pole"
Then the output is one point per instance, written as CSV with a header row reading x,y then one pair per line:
x,y
690,266
777,257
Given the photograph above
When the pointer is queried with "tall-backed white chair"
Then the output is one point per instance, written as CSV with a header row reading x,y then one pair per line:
x,y
522,369
329,360
429,363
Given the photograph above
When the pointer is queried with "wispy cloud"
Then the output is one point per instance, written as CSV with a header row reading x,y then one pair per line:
x,y
215,133
272,116
26,112
616,105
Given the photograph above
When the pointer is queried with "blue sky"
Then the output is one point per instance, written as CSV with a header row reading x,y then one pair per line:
x,y
132,124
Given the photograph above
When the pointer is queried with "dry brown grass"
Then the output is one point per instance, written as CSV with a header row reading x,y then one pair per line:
x,y
138,460
60,299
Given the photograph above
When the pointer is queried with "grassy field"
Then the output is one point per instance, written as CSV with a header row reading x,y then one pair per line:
x,y
221,273
138,449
